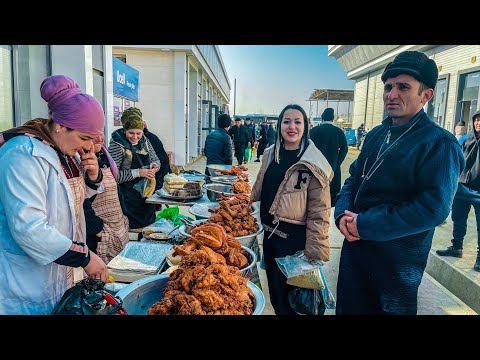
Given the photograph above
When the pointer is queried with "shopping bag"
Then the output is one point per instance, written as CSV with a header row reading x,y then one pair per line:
x,y
89,297
306,301
306,274
248,153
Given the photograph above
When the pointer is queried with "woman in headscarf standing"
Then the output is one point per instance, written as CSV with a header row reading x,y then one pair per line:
x,y
107,226
48,168
293,188
136,160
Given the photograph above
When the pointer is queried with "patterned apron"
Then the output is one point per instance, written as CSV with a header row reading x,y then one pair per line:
x,y
115,223
77,185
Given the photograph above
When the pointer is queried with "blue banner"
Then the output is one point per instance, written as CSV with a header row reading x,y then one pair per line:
x,y
125,80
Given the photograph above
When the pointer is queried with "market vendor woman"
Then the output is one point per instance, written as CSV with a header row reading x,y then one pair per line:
x,y
136,159
46,174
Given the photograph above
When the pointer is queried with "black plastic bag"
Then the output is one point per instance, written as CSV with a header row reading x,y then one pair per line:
x,y
88,297
306,301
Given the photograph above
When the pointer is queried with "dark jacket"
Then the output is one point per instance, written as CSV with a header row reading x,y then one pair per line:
x,y
400,199
331,141
162,156
218,147
471,150
271,135
241,135
251,128
94,224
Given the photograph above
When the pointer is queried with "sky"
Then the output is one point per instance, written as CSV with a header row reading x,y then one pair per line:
x,y
269,77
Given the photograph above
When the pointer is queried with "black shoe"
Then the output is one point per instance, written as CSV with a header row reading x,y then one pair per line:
x,y
451,251
476,267
258,160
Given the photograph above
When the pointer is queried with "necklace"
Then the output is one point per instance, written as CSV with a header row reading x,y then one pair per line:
x,y
380,154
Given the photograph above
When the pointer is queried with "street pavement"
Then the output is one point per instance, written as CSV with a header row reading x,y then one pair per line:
x,y
433,298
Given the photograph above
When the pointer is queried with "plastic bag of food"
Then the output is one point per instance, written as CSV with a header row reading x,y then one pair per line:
x,y
306,274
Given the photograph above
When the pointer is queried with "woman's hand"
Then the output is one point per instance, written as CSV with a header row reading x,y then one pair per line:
x,y
147,173
96,268
89,162
154,166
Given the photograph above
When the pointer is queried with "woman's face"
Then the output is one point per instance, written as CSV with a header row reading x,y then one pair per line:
x,y
72,141
98,142
292,128
134,135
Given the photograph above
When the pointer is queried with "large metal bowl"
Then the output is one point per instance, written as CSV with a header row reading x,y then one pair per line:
x,y
246,240
140,295
215,191
202,215
212,168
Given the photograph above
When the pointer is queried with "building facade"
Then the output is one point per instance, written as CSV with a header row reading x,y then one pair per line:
x,y
457,94
182,89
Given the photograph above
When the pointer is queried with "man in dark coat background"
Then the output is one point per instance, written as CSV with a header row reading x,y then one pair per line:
x,y
468,195
400,188
218,144
241,139
331,141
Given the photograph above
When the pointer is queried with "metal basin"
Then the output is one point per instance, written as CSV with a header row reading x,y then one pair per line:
x,y
215,191
246,240
140,295
212,168
194,210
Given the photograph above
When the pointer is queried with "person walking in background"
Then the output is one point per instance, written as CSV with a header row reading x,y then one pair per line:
x,y
400,188
359,134
467,195
48,168
218,144
331,141
107,226
271,135
294,193
241,139
251,127
262,141
136,160
460,129
156,144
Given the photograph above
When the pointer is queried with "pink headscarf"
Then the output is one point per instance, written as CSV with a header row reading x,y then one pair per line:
x,y
113,165
70,107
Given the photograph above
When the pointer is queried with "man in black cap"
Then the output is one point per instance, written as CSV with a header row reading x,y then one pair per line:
x,y
331,141
400,188
218,144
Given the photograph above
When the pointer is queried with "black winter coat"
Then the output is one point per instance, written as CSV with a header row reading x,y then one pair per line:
x,y
162,156
241,135
331,141
218,148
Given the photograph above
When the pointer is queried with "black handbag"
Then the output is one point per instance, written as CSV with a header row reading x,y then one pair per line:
x,y
89,297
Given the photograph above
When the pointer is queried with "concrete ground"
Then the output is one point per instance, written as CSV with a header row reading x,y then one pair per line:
x,y
433,298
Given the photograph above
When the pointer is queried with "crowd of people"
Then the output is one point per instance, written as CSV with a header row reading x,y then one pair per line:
x,y
73,201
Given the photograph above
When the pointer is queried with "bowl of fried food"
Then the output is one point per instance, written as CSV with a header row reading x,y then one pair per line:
x,y
139,298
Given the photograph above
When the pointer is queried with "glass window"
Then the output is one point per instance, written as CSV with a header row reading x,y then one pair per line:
x,y
436,106
6,89
468,98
